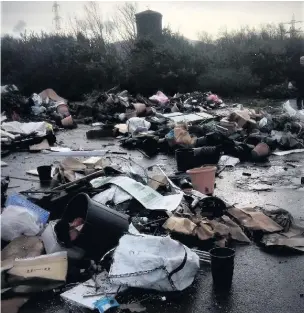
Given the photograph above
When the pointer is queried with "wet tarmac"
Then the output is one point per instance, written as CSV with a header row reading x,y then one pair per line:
x,y
263,282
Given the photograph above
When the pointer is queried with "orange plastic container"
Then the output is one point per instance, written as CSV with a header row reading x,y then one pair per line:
x,y
203,179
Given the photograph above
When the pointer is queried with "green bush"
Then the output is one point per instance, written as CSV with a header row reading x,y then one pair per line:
x,y
245,62
69,66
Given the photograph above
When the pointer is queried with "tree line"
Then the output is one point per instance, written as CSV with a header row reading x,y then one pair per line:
x,y
97,55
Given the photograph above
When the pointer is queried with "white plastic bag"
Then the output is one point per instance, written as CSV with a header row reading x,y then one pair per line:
x,y
17,221
152,262
263,122
137,123
289,106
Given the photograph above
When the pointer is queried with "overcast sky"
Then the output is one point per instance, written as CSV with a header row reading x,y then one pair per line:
x,y
187,17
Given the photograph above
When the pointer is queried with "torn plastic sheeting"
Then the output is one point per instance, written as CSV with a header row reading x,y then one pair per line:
x,y
113,194
148,197
77,293
152,262
40,128
252,219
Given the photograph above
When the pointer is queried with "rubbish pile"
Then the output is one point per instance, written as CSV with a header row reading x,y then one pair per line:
x,y
30,124
201,129
102,224
110,107
46,105
123,226
32,136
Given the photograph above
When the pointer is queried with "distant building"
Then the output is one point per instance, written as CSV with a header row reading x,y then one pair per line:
x,y
149,24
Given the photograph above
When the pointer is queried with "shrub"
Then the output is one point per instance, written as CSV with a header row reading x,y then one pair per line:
x,y
243,62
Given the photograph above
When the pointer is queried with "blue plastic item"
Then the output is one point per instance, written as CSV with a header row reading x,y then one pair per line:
x,y
105,303
19,200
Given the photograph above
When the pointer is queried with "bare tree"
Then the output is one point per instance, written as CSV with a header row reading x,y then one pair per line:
x,y
92,24
124,21
205,37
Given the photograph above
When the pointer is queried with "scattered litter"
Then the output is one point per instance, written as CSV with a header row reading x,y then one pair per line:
x,y
39,128
105,304
110,208
19,200
77,293
226,160
114,195
253,219
148,197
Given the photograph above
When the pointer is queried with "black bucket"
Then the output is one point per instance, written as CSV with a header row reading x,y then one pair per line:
x,y
44,173
184,159
103,226
222,265
207,155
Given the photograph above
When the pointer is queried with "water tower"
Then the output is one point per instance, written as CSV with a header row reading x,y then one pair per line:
x,y
149,24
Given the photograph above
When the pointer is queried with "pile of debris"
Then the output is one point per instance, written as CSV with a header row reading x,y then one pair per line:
x,y
101,212
45,106
239,132
107,224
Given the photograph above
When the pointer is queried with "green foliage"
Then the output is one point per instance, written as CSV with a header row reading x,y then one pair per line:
x,y
245,62
71,67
